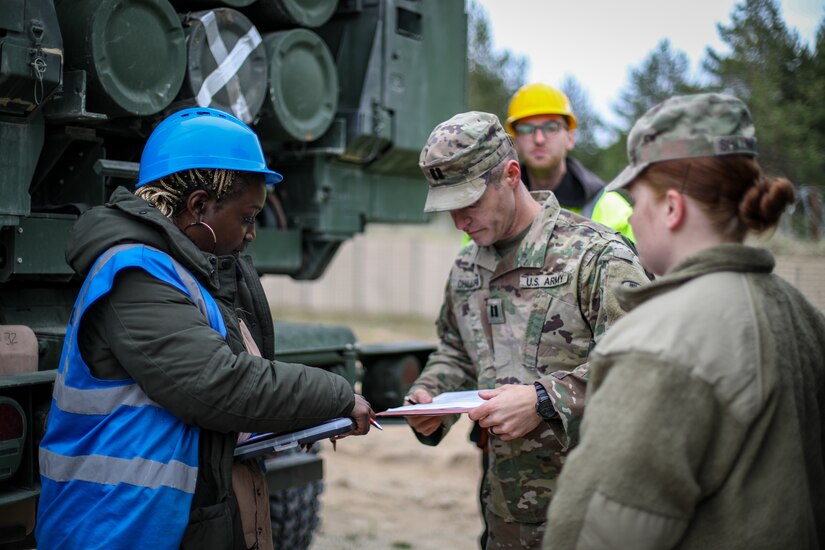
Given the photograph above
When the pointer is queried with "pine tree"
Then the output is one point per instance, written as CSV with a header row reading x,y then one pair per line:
x,y
494,76
590,125
663,74
781,81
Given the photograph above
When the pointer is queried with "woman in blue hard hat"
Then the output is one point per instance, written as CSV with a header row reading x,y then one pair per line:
x,y
161,366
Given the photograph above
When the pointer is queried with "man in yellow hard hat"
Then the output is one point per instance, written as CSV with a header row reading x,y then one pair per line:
x,y
543,126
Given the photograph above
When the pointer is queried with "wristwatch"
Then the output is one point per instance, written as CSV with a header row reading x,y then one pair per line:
x,y
544,406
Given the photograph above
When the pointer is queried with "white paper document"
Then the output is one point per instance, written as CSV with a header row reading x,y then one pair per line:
x,y
446,403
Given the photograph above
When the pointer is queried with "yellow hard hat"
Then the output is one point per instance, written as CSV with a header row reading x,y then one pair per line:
x,y
538,99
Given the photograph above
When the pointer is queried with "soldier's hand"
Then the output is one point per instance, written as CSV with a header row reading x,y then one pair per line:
x,y
425,425
510,411
361,413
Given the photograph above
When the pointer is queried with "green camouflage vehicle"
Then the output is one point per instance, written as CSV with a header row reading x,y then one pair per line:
x,y
342,93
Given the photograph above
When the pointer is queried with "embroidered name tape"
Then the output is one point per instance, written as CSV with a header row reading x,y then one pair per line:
x,y
467,283
543,280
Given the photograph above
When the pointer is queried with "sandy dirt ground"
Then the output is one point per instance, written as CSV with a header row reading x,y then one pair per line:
x,y
388,491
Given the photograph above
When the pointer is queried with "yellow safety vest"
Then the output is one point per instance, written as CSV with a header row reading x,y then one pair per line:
x,y
610,209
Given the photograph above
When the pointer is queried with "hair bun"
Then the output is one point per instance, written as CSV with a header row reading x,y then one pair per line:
x,y
763,204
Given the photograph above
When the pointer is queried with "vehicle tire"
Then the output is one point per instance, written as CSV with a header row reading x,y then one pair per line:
x,y
295,515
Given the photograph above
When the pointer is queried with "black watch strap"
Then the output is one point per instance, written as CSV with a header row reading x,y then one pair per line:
x,y
544,405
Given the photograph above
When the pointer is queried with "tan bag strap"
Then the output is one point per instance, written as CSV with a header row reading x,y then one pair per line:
x,y
248,341
249,482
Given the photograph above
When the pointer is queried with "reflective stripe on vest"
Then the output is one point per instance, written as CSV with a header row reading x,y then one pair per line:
x,y
117,468
105,469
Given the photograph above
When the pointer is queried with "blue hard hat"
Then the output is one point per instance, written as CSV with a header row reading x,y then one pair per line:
x,y
201,137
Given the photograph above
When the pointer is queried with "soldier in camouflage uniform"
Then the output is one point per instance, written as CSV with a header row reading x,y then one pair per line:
x,y
524,305
706,402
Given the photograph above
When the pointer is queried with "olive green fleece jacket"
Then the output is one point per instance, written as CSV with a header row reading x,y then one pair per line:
x,y
151,332
704,419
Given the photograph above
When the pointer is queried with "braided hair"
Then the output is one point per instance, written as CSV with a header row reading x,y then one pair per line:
x,y
169,193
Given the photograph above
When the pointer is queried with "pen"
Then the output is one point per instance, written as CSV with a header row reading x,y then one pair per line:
x,y
375,423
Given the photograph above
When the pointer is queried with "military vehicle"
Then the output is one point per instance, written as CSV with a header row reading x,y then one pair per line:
x,y
342,94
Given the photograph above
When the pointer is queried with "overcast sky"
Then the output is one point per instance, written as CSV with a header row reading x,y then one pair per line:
x,y
598,41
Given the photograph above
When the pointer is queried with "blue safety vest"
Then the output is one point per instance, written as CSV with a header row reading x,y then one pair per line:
x,y
117,469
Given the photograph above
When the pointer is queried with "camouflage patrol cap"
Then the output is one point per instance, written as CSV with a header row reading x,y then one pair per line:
x,y
700,125
458,155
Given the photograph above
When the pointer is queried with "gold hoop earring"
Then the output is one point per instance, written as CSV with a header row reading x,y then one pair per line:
x,y
211,231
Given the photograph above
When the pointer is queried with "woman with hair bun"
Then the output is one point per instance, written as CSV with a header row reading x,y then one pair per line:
x,y
704,424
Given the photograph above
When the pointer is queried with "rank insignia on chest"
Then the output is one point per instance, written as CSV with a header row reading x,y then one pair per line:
x,y
543,280
495,311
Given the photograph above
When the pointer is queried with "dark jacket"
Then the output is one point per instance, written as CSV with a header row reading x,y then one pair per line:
x,y
147,330
578,187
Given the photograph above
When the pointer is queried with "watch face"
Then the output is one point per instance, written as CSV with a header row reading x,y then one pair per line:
x,y
546,409
544,406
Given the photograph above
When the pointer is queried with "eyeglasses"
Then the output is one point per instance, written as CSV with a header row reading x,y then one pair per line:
x,y
549,127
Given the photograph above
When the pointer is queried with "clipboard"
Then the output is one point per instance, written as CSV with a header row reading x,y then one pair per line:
x,y
271,443
456,402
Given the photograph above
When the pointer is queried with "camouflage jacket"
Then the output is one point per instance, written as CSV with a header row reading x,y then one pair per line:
x,y
531,316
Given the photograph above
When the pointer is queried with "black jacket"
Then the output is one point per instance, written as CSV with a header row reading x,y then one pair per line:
x,y
149,331
578,187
